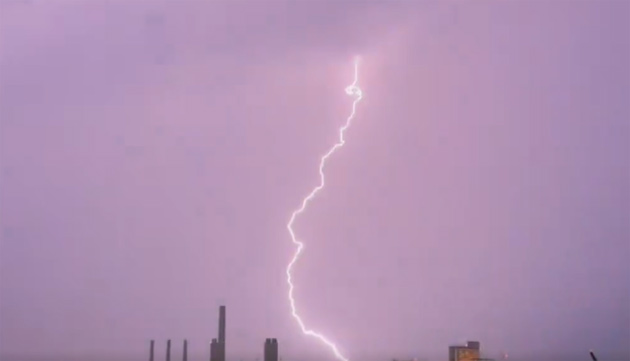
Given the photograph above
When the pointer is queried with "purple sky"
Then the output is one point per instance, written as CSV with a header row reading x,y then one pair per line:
x,y
152,151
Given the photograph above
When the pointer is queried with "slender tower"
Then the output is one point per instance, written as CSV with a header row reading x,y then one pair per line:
x,y
221,324
168,350
151,350
221,355
185,356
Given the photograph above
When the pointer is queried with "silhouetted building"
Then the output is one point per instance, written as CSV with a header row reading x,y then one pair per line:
x,y
151,350
475,345
217,346
214,350
222,324
470,352
221,340
168,350
271,349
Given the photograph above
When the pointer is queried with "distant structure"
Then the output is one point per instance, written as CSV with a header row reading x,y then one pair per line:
x,y
217,346
222,324
151,348
271,349
470,352
214,350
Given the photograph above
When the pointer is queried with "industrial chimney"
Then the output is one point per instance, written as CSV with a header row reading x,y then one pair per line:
x,y
221,341
222,324
168,350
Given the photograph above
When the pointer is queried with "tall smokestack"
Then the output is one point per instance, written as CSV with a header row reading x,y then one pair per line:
x,y
185,350
168,350
151,350
222,324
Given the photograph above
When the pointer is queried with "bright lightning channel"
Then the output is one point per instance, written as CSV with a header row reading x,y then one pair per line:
x,y
354,91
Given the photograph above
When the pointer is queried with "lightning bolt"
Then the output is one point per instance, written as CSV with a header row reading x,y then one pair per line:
x,y
354,91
